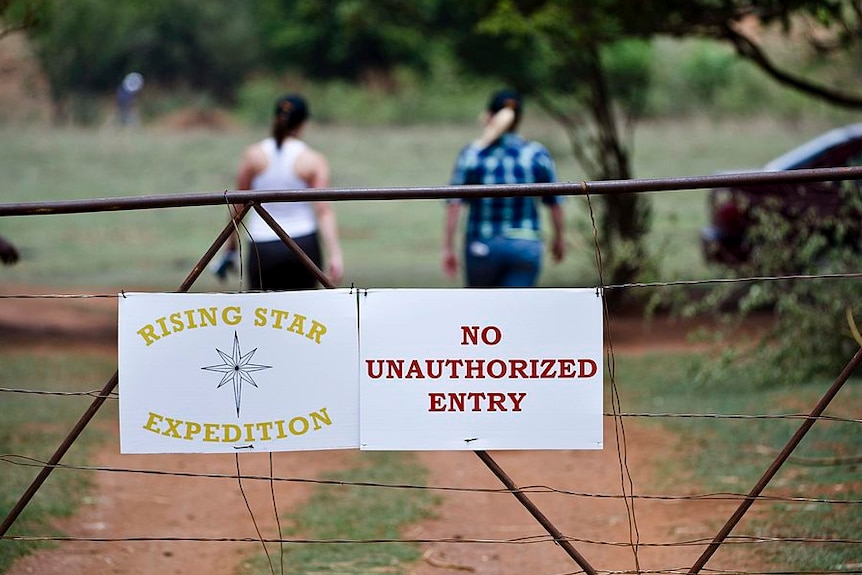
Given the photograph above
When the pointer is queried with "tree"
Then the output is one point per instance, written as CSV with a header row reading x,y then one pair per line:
x,y
347,39
17,15
87,46
587,62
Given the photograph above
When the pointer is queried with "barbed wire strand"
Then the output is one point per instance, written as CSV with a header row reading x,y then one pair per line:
x,y
655,415
22,460
606,287
737,540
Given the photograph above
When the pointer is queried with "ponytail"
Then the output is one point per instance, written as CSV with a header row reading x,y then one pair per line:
x,y
501,122
291,112
504,109
281,128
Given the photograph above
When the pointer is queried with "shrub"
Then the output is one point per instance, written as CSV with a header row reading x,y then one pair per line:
x,y
811,308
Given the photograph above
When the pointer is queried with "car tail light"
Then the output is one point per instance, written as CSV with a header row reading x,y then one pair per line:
x,y
728,218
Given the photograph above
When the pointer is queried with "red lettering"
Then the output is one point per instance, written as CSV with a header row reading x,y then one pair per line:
x,y
518,368
471,333
567,368
414,371
495,401
583,364
475,369
456,402
496,368
476,396
516,400
548,368
436,402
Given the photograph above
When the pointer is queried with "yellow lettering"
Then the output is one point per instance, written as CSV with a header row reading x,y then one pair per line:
x,y
260,317
152,421
210,430
232,432
177,322
190,314
317,331
148,332
172,430
298,425
320,416
298,324
281,432
279,315
207,315
264,427
161,322
231,315
176,428
192,429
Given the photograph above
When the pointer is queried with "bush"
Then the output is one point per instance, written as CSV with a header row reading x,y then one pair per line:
x,y
811,334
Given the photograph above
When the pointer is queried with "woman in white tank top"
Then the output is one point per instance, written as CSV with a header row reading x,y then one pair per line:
x,y
284,162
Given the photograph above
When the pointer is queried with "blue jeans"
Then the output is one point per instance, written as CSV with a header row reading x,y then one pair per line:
x,y
503,262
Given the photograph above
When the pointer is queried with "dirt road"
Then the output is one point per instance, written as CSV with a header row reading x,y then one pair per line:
x,y
125,505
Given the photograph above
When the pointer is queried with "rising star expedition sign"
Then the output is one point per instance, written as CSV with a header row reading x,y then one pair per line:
x,y
229,372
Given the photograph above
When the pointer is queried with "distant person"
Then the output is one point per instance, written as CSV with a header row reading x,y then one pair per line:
x,y
502,241
126,94
284,162
8,252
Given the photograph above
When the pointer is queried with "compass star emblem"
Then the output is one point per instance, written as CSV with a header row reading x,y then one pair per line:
x,y
236,369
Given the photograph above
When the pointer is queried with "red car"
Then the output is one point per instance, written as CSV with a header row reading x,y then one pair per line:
x,y
735,210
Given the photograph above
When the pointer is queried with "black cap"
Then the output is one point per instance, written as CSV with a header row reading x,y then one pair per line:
x,y
505,99
294,106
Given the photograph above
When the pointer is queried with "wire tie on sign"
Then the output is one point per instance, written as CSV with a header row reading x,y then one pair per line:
x,y
351,289
123,293
471,439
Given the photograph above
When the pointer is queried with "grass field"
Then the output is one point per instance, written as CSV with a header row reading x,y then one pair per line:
x,y
386,243
33,425
731,454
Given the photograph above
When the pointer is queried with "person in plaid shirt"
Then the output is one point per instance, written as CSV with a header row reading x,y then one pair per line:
x,y
502,238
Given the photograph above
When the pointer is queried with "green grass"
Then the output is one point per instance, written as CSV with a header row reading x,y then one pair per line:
x,y
386,243
732,454
356,512
33,426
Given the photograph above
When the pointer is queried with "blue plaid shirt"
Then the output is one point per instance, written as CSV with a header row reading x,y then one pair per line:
x,y
509,160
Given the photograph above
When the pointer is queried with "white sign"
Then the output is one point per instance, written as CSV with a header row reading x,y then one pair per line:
x,y
480,369
223,373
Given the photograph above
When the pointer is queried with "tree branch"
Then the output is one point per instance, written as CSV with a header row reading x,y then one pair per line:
x,y
749,50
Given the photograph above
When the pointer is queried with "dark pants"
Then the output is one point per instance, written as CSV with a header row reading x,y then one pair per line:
x,y
273,266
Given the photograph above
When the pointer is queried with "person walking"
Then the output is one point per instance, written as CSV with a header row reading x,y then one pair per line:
x,y
284,162
502,241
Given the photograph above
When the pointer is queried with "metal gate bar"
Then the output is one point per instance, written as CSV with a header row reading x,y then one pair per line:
x,y
779,461
109,387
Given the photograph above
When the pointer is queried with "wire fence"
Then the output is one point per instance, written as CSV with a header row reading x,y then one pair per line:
x,y
572,544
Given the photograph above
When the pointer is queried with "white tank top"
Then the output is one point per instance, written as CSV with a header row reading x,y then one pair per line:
x,y
296,218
